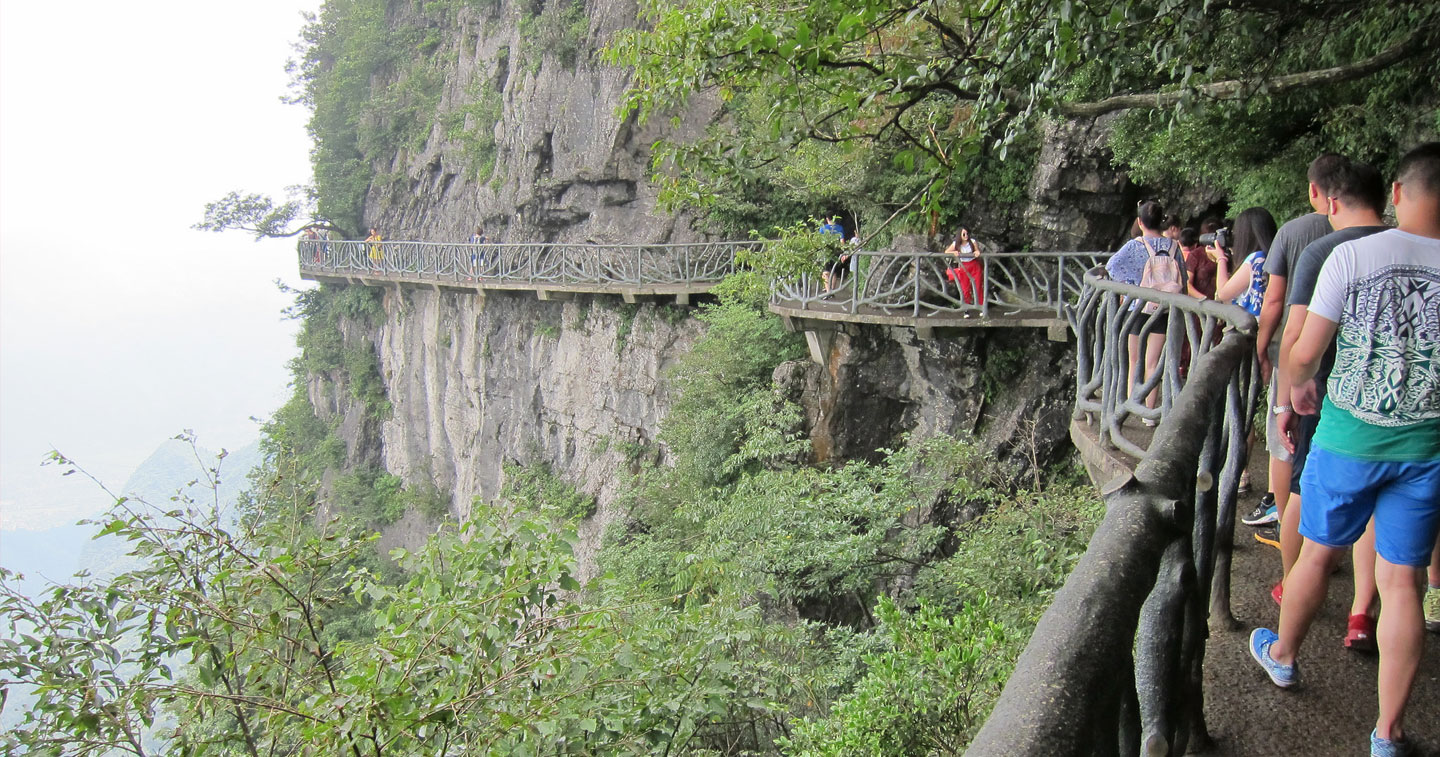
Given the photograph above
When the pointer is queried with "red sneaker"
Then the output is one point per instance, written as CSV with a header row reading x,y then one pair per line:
x,y
1360,633
1277,591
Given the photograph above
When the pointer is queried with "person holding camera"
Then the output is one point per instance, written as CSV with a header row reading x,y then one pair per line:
x,y
1245,285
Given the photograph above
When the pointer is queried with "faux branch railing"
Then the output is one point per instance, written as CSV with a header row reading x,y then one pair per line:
x,y
890,283
537,264
1115,665
915,284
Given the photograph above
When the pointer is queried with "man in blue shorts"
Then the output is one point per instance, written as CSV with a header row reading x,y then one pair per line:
x,y
1376,450
1354,207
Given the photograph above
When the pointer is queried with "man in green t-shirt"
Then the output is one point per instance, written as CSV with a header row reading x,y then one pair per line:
x,y
1376,451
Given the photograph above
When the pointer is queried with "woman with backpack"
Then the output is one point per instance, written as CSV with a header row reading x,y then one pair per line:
x,y
1149,260
1245,286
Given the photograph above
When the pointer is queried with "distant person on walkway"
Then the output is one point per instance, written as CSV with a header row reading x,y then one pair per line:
x,y
1199,267
1355,203
477,260
1290,241
1245,286
1128,266
968,273
376,249
1376,451
313,238
835,269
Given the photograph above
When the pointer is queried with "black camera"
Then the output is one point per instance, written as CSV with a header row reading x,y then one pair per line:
x,y
1221,238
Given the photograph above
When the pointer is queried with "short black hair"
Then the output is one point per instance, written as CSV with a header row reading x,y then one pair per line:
x,y
1189,237
1325,169
1421,166
1360,184
1171,220
1151,215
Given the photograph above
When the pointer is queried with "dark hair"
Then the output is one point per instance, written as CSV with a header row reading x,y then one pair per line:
x,y
965,229
1325,170
1254,230
1422,166
1210,225
1171,220
1189,237
1360,184
1151,215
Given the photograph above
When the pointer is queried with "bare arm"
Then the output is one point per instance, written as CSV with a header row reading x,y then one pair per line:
x,y
1270,311
1227,286
1314,339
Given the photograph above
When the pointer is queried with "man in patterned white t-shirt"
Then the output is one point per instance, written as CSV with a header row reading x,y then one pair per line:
x,y
1377,448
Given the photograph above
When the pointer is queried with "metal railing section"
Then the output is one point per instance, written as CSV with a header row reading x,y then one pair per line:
x,y
536,264
1115,665
915,284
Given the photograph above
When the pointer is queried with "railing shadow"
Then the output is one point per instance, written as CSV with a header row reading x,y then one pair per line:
x,y
1115,665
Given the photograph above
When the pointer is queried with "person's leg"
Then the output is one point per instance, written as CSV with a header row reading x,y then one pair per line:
x,y
1340,493
1290,516
1279,470
1401,638
1363,557
1154,345
1305,589
1290,540
1132,342
1406,525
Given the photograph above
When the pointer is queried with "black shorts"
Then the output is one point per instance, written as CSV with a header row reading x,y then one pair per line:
x,y
1303,434
1161,324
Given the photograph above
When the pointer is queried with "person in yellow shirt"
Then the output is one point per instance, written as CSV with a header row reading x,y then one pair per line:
x,y
377,250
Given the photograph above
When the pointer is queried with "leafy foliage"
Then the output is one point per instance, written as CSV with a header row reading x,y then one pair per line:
x,y
559,29
938,88
536,488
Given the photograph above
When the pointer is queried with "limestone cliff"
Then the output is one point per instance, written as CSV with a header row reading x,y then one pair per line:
x,y
565,167
475,382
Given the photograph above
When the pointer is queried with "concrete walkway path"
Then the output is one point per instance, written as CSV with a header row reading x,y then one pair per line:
x,y
1333,709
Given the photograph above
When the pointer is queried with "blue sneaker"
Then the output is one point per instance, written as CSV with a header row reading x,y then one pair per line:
x,y
1283,676
1386,747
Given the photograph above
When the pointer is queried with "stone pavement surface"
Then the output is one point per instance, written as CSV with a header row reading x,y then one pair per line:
x,y
1332,710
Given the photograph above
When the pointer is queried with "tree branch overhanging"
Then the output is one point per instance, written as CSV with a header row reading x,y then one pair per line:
x,y
1235,89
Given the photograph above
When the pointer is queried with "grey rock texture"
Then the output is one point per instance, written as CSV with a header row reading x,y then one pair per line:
x,y
567,168
1011,388
478,382
1078,200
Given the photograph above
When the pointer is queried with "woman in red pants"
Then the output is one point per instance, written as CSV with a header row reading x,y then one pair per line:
x,y
969,273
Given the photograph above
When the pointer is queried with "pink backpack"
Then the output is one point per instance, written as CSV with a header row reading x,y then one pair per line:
x,y
1162,273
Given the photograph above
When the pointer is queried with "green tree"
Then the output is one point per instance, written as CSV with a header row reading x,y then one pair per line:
x,y
951,84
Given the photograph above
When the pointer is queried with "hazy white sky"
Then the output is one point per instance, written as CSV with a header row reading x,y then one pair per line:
x,y
120,326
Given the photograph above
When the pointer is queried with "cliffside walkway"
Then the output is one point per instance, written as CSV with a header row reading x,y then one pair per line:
x,y
548,269
907,289
1143,650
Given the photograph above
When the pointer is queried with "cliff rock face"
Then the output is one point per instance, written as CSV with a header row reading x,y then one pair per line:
x,y
566,168
1011,388
478,382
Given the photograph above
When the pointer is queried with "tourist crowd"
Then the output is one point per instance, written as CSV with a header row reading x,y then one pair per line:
x,y
1348,310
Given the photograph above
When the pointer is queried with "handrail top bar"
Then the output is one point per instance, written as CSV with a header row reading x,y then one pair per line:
x,y
517,245
677,245
1234,315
